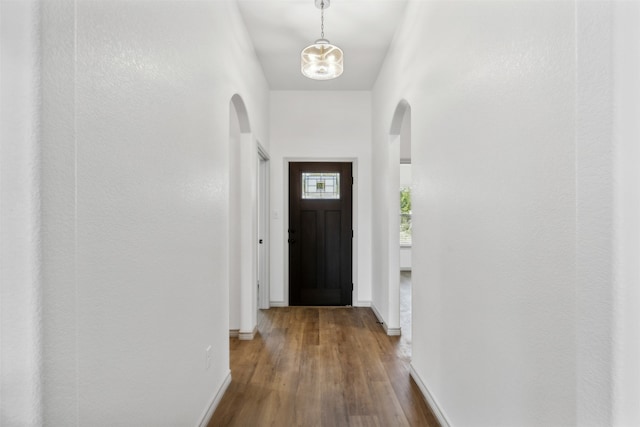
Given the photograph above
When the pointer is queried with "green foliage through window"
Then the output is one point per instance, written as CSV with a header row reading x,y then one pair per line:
x,y
405,216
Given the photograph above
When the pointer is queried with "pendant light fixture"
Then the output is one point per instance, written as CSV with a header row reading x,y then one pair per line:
x,y
322,60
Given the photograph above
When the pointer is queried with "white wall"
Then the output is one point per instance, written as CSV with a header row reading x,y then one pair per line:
x,y
322,125
405,175
594,215
608,200
491,88
20,355
626,178
405,258
525,207
135,135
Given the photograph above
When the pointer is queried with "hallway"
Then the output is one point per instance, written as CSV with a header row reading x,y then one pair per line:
x,y
321,367
145,151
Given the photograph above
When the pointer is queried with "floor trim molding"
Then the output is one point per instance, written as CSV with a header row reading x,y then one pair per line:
x,y
278,304
247,336
377,313
204,420
234,333
362,304
431,401
392,332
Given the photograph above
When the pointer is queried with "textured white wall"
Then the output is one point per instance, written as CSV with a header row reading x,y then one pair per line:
x,y
626,133
491,88
322,125
594,214
136,204
20,337
405,175
405,258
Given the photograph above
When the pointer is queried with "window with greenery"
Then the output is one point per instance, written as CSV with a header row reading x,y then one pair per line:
x,y
405,215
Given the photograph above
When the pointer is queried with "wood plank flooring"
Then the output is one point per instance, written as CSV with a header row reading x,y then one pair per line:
x,y
312,366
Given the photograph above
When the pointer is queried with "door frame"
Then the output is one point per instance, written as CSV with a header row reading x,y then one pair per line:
x,y
354,219
263,229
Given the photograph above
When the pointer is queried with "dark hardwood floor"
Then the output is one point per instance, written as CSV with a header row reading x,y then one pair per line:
x,y
313,366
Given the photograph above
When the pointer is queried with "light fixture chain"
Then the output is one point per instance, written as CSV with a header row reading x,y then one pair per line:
x,y
322,20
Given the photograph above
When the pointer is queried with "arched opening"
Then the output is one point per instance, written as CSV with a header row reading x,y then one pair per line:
x,y
241,115
243,253
399,221
234,221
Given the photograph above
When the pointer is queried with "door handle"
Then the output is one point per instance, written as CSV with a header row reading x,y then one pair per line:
x,y
260,241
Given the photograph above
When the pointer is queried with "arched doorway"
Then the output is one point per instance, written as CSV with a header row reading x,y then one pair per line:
x,y
399,155
243,232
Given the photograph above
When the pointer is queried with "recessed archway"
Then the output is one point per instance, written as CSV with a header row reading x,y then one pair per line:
x,y
242,222
240,110
398,151
402,109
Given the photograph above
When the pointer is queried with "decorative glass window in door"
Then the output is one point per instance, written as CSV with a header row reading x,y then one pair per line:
x,y
321,185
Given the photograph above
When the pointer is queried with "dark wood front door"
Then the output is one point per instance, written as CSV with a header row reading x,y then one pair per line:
x,y
320,233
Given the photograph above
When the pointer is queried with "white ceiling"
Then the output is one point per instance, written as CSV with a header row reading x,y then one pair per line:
x,y
280,29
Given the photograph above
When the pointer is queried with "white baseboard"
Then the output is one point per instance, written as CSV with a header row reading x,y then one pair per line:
x,y
204,420
392,332
378,316
284,304
431,401
247,336
377,313
278,304
234,333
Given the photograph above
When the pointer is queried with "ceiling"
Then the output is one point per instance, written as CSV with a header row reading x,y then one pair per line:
x,y
280,29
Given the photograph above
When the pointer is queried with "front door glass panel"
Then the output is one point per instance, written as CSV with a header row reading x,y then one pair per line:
x,y
321,185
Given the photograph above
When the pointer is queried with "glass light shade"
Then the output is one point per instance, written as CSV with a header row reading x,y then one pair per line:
x,y
322,60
